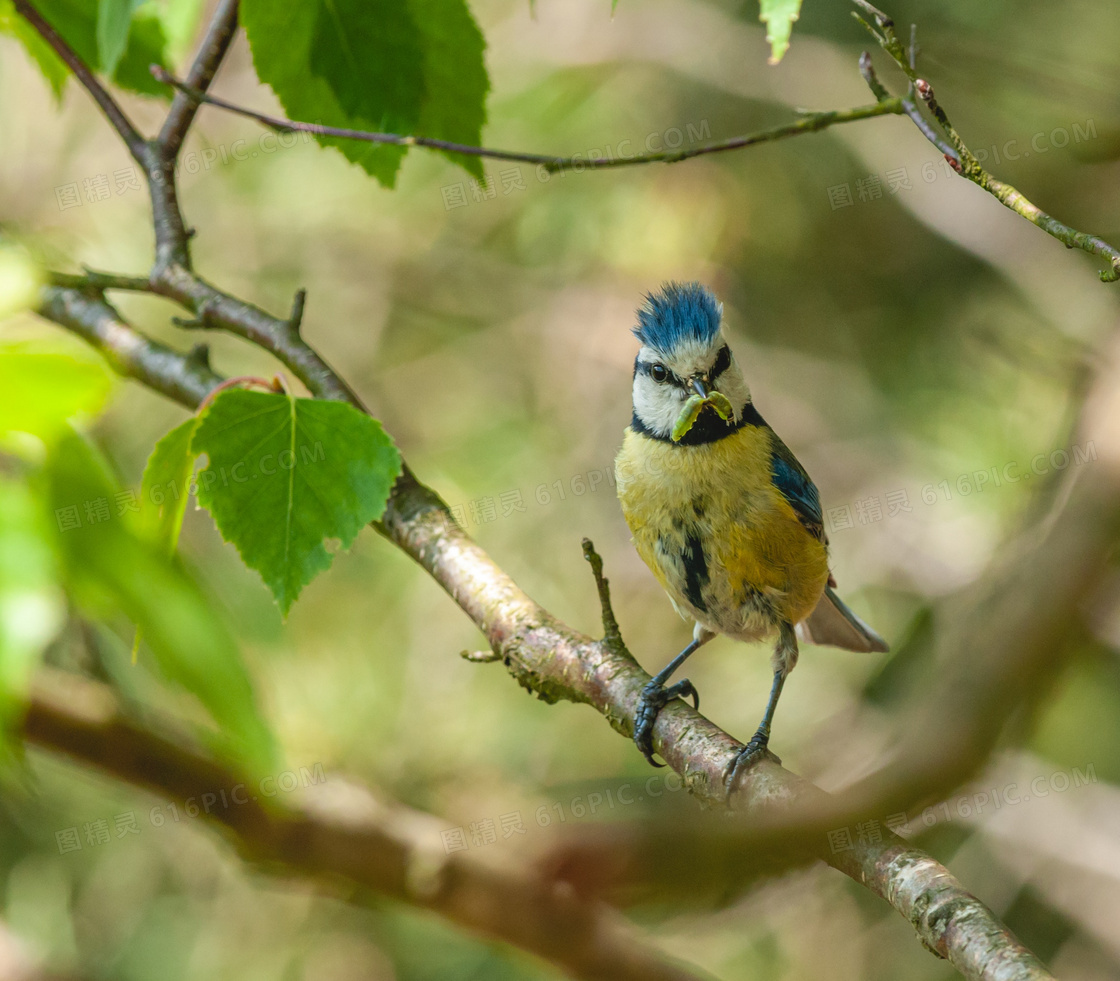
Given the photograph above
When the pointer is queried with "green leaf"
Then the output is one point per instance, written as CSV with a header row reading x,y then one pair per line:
x,y
455,78
779,15
42,389
289,52
378,65
147,46
164,488
368,52
113,20
109,568
285,474
78,21
32,607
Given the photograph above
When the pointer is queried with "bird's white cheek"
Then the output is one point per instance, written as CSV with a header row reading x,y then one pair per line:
x,y
657,406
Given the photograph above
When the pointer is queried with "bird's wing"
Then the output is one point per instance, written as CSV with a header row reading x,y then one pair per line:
x,y
796,487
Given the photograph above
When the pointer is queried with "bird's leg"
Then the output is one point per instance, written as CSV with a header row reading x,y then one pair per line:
x,y
655,695
785,657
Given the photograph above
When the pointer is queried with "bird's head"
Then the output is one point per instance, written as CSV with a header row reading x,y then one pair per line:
x,y
683,354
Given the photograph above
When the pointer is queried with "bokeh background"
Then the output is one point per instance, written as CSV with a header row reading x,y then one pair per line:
x,y
898,328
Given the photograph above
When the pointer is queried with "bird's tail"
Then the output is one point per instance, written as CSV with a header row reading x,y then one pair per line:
x,y
834,624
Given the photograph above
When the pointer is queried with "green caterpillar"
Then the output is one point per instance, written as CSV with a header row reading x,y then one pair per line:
x,y
692,409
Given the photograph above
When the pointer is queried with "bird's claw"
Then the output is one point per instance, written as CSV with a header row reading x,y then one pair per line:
x,y
748,756
654,697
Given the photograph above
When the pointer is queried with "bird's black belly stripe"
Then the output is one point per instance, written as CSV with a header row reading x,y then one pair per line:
x,y
695,571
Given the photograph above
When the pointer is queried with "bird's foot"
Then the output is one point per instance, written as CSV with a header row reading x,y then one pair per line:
x,y
748,756
654,697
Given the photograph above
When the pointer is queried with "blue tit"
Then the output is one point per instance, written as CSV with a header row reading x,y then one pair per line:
x,y
720,510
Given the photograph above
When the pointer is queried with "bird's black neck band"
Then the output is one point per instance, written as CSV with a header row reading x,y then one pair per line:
x,y
708,427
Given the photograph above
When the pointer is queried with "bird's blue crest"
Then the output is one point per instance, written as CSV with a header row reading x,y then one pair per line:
x,y
676,313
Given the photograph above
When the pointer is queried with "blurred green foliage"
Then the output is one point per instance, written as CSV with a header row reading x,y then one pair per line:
x,y
897,339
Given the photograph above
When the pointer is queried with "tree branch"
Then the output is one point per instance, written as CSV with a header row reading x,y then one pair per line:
x,y
211,53
186,378
959,156
808,123
353,838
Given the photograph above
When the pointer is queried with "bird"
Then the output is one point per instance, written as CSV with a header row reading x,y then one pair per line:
x,y
720,509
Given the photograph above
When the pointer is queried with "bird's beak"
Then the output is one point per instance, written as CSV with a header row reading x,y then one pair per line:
x,y
701,387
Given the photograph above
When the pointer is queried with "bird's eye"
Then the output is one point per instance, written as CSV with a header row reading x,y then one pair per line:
x,y
659,372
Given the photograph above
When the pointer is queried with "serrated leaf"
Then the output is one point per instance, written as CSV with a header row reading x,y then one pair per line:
x,y
109,569
409,68
779,15
40,390
282,38
113,21
285,474
455,79
165,485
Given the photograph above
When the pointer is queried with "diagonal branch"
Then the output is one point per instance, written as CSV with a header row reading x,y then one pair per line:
x,y
959,156
352,838
136,144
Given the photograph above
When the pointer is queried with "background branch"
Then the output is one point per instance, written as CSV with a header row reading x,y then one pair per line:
x,y
350,837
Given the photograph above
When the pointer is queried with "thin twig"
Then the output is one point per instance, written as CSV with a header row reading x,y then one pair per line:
x,y
211,53
808,123
960,157
612,635
295,318
98,281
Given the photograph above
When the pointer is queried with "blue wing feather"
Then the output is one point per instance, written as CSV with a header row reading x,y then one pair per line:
x,y
796,487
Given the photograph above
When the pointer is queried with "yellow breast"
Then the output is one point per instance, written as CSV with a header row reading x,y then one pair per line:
x,y
718,535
